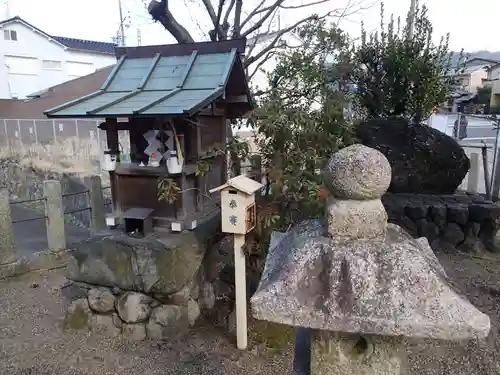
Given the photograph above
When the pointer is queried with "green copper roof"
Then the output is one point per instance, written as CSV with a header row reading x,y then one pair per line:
x,y
157,85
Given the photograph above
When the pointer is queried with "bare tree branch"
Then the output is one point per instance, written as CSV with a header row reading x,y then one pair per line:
x,y
217,32
303,5
250,60
228,13
237,19
210,10
258,24
159,11
259,10
217,21
255,40
253,12
260,63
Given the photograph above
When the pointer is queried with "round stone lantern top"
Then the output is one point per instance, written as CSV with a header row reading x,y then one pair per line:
x,y
357,172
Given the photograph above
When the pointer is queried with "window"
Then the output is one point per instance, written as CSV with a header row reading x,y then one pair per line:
x,y
22,65
79,69
10,35
52,64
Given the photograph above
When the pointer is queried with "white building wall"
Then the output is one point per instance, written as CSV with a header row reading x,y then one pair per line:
x,y
34,62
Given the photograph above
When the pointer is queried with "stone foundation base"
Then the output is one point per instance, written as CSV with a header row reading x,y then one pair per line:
x,y
133,315
465,222
342,354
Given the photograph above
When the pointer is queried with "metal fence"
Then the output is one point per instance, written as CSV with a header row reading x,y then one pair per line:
x,y
43,132
80,138
29,218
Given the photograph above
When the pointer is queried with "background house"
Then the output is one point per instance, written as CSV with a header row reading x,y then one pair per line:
x,y
472,78
494,82
32,60
24,127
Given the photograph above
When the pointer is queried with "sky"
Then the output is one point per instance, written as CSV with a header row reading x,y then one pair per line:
x,y
471,25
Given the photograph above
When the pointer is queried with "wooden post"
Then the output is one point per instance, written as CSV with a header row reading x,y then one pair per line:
x,y
113,145
96,204
7,245
241,291
54,210
473,178
112,135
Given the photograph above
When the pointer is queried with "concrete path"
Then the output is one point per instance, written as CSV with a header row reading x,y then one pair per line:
x,y
31,236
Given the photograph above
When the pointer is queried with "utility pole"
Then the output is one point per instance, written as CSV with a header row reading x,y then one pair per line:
x,y
122,27
411,18
7,9
139,37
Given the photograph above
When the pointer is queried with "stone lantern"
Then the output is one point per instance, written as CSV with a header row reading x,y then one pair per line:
x,y
359,283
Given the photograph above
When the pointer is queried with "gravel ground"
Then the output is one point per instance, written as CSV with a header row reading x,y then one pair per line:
x,y
479,279
33,341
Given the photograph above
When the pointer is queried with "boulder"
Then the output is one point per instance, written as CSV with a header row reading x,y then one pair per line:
x,y
104,324
166,320
78,315
423,159
101,300
134,332
159,265
118,323
207,296
193,312
133,307
218,257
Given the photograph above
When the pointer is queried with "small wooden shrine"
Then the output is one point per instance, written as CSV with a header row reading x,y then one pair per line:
x,y
178,100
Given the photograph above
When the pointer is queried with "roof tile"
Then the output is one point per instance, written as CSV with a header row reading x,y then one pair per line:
x,y
86,45
160,85
78,44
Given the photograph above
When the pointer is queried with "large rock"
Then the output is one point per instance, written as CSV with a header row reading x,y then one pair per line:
x,y
160,265
133,307
78,315
101,300
165,321
134,332
423,159
104,324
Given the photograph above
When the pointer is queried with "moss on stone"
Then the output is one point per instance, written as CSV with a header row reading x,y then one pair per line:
x,y
120,261
274,336
77,320
177,265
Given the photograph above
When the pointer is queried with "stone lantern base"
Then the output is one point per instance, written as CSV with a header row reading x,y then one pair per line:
x,y
343,354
